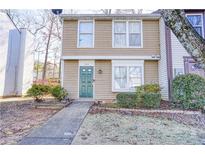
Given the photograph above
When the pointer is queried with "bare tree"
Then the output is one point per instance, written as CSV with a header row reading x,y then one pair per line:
x,y
45,27
106,11
128,11
186,34
51,21
121,11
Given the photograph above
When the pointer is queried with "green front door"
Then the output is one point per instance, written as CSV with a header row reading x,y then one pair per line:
x,y
86,81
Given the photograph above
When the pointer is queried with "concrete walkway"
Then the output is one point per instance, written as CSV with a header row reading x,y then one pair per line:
x,y
61,128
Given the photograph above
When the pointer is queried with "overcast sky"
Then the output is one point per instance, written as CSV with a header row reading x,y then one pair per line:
x,y
90,11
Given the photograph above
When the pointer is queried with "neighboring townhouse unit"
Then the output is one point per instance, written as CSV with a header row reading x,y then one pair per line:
x,y
103,55
178,60
16,58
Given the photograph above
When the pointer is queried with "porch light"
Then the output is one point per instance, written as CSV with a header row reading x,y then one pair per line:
x,y
100,71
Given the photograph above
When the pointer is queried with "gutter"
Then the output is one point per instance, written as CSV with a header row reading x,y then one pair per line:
x,y
109,17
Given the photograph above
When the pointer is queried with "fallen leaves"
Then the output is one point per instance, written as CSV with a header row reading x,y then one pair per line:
x,y
18,119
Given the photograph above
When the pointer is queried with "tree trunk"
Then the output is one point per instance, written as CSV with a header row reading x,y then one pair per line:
x,y
186,34
47,48
37,71
54,65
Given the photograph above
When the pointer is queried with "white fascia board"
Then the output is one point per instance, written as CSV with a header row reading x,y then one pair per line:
x,y
153,57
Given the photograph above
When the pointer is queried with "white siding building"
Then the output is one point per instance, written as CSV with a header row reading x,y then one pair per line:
x,y
16,59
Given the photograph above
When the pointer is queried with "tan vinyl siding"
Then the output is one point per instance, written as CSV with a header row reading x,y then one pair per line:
x,y
151,72
103,82
70,77
103,40
70,34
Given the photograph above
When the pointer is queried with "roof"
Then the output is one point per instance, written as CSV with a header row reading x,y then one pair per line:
x,y
110,17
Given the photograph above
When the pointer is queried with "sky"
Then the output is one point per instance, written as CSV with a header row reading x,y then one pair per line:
x,y
90,11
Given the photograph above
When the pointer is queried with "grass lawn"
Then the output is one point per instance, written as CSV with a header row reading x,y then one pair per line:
x,y
114,128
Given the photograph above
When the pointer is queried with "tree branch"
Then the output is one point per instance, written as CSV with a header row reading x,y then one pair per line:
x,y
186,34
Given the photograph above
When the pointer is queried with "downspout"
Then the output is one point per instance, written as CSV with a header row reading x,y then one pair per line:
x,y
16,80
169,60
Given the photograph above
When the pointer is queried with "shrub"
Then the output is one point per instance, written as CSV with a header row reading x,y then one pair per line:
x,y
189,91
147,95
146,92
127,100
150,88
37,91
46,89
151,100
59,93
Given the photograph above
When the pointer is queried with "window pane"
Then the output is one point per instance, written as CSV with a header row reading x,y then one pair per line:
x,y
120,40
194,19
134,40
134,27
120,27
199,30
120,77
86,40
135,76
86,27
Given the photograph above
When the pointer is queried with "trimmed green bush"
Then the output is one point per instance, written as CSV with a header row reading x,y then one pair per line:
x,y
189,91
127,100
37,91
145,93
59,93
151,100
149,88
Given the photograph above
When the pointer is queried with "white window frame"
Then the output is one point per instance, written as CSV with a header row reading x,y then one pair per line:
x,y
127,63
202,21
78,35
127,34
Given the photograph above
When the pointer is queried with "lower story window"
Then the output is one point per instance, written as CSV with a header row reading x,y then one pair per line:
x,y
120,77
135,76
127,77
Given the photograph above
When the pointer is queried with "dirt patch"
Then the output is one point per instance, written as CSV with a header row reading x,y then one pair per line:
x,y
118,128
18,119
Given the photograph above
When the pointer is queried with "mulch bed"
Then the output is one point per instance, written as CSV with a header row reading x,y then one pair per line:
x,y
165,105
19,118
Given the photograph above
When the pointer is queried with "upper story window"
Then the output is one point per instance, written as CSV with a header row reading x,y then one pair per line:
x,y
85,34
197,22
127,34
